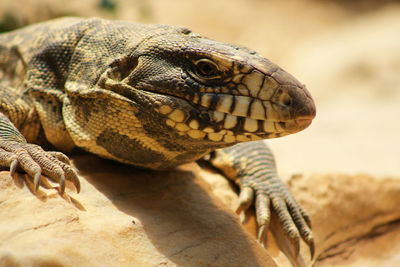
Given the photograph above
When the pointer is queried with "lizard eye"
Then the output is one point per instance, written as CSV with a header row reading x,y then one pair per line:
x,y
206,68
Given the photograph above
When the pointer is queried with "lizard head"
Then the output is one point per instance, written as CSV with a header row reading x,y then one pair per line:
x,y
219,92
203,94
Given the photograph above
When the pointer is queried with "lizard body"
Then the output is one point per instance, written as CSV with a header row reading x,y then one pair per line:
x,y
152,96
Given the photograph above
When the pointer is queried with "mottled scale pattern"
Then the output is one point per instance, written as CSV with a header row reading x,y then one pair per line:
x,y
152,96
252,166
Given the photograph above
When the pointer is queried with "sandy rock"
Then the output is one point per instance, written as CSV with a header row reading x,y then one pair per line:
x,y
356,218
132,218
350,62
125,216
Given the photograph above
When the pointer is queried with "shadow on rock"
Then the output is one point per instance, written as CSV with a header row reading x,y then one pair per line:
x,y
181,219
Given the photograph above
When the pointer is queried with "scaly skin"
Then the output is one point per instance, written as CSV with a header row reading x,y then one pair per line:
x,y
152,96
252,167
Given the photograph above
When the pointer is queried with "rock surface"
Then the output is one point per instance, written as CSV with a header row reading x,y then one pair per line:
x,y
129,217
356,218
347,53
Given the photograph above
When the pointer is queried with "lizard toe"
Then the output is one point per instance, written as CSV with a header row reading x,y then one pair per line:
x,y
263,217
302,222
246,198
35,162
288,226
59,156
273,197
68,171
8,159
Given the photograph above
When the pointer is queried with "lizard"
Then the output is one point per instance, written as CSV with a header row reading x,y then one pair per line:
x,y
151,96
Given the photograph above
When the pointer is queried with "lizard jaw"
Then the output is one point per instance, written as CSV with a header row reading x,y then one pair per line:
x,y
226,127
258,106
231,119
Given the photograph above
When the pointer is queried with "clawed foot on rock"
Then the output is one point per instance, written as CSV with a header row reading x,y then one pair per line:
x,y
272,196
35,162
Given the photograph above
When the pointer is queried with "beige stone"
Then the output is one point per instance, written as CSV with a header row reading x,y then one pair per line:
x,y
129,217
356,218
347,57
132,218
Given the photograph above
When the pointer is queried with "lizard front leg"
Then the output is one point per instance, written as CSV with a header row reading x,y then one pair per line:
x,y
15,151
252,166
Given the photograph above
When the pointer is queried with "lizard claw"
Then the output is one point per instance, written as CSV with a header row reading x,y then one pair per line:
x,y
246,198
35,162
263,216
36,180
13,166
274,197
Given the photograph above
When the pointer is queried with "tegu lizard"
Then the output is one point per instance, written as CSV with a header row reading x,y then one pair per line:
x,y
152,96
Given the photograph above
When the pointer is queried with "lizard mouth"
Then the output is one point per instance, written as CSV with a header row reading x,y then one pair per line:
x,y
216,118
220,118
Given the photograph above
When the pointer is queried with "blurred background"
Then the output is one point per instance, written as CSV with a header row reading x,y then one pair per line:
x,y
346,52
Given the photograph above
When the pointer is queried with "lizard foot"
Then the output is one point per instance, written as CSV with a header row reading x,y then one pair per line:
x,y
273,196
35,162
